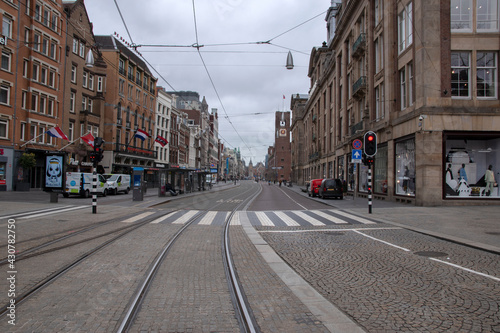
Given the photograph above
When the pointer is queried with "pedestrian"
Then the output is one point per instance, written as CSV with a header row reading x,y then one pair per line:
x,y
489,178
462,173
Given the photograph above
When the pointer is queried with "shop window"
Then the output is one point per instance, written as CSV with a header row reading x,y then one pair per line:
x,y
405,167
380,171
467,160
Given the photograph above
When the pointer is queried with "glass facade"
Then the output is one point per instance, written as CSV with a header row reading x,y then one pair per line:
x,y
405,167
380,171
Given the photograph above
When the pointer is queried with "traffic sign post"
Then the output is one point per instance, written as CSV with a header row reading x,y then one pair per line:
x,y
370,150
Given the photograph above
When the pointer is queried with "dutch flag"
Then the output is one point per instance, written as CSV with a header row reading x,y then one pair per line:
x,y
141,134
56,132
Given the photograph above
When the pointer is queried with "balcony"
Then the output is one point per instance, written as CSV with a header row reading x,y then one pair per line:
x,y
138,151
359,46
119,122
356,128
314,156
359,87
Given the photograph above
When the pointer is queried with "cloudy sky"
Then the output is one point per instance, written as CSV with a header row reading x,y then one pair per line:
x,y
243,79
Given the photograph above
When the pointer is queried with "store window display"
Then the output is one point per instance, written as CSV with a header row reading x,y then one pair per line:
x,y
468,159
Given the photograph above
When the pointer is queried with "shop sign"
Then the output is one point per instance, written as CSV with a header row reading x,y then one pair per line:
x,y
72,161
1,151
87,164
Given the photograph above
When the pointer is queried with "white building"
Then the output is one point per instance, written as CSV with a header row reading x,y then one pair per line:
x,y
164,102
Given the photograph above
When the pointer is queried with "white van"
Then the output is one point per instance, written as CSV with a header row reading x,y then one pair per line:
x,y
80,183
118,183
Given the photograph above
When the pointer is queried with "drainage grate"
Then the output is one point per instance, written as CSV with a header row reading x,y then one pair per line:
x,y
431,254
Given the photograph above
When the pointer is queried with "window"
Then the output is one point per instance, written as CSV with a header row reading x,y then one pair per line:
x,y
486,65
121,67
99,83
379,54
405,28
50,106
487,15
410,83
43,104
71,131
53,46
121,85
73,74
85,79
36,41
25,68
4,94
43,75
52,78
34,101
53,22
7,27
26,35
402,87
379,11
460,74
91,81
38,10
46,16
90,105
4,126
24,100
75,46
84,103
36,69
23,132
6,61
379,102
45,46
82,49
405,167
72,97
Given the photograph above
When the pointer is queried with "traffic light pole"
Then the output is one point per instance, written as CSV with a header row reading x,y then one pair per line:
x,y
94,189
369,188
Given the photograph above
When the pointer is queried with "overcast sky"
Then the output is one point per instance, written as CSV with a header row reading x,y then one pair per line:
x,y
243,78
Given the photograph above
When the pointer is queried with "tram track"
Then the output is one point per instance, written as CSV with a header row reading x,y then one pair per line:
x,y
22,297
243,313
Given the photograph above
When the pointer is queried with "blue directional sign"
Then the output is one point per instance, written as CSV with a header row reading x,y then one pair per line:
x,y
357,154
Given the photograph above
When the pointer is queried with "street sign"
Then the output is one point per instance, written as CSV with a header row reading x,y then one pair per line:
x,y
357,154
357,144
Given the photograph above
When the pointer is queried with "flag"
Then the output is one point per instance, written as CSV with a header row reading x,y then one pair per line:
x,y
89,139
56,132
161,140
141,134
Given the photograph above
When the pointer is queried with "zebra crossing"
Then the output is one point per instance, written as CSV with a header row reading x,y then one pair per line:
x,y
309,218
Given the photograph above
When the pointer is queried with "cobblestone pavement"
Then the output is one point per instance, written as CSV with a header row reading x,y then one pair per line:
x,y
386,289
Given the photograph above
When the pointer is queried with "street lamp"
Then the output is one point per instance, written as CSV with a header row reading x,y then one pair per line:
x,y
289,61
89,59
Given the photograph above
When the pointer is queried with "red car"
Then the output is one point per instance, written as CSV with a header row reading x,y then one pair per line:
x,y
312,190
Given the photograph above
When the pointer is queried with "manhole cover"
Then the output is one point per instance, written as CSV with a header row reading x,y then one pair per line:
x,y
431,254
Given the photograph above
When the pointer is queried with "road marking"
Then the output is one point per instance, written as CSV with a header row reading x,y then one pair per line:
x,y
137,217
308,218
329,217
293,200
18,215
381,241
52,212
162,218
287,219
353,217
236,219
208,218
264,219
466,269
186,217
327,230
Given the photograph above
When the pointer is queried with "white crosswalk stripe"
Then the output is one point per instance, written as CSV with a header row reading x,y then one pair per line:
x,y
163,218
184,218
208,218
287,219
236,219
264,219
308,218
329,217
353,217
137,217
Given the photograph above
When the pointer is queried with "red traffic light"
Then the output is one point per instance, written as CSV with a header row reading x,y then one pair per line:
x,y
370,137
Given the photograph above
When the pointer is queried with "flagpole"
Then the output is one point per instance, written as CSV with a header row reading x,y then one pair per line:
x,y
32,140
73,141
132,138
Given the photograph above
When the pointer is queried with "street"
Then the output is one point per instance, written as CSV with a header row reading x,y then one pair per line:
x,y
304,265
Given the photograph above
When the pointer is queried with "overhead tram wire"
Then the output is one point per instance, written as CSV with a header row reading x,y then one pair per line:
x,y
211,80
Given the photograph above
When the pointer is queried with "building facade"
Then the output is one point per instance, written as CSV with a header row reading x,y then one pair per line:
x,y
31,79
423,76
130,106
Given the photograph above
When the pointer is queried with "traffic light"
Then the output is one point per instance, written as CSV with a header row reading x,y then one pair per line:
x,y
92,157
98,149
370,143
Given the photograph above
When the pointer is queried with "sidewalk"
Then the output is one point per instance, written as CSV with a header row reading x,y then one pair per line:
x,y
476,226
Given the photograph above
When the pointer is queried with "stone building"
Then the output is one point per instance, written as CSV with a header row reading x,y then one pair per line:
x,y
423,75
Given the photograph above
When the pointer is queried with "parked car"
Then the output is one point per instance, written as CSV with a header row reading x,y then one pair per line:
x,y
312,190
331,188
81,184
